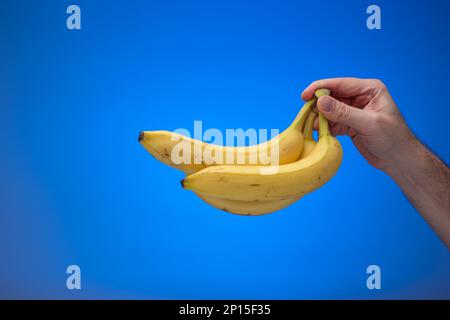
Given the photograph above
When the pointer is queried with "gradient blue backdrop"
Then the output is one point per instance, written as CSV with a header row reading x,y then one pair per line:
x,y
77,188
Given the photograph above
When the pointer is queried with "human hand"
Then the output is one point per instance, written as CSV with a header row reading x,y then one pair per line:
x,y
364,110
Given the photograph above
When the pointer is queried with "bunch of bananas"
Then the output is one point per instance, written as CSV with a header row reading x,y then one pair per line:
x,y
250,187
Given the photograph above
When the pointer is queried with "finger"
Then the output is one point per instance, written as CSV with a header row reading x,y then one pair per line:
x,y
340,87
339,130
316,124
348,101
344,114
352,132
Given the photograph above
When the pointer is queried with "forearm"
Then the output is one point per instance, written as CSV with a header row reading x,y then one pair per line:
x,y
425,180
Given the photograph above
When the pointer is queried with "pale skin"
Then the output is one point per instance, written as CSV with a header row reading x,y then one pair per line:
x,y
364,110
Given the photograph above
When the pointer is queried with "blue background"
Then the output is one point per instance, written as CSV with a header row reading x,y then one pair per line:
x,y
77,188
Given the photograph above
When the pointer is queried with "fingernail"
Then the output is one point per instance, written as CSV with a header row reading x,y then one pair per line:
x,y
326,104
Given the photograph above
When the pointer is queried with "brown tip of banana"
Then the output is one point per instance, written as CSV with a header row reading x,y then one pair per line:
x,y
182,183
141,136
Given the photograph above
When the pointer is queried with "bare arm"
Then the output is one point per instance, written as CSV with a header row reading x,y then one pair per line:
x,y
425,180
364,110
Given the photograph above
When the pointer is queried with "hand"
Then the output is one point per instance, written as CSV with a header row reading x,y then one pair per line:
x,y
364,110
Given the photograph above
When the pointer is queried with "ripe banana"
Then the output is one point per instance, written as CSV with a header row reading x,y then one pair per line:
x,y
251,183
167,146
249,208
253,208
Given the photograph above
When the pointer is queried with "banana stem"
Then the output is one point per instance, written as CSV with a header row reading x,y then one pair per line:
x,y
308,130
300,119
324,127
322,92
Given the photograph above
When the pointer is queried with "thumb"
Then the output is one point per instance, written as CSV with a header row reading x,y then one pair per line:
x,y
342,113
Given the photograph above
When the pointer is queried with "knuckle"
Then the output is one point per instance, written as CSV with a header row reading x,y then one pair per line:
x,y
377,83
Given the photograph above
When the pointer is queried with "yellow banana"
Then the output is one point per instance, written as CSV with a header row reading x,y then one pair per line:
x,y
249,208
253,208
254,183
169,146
